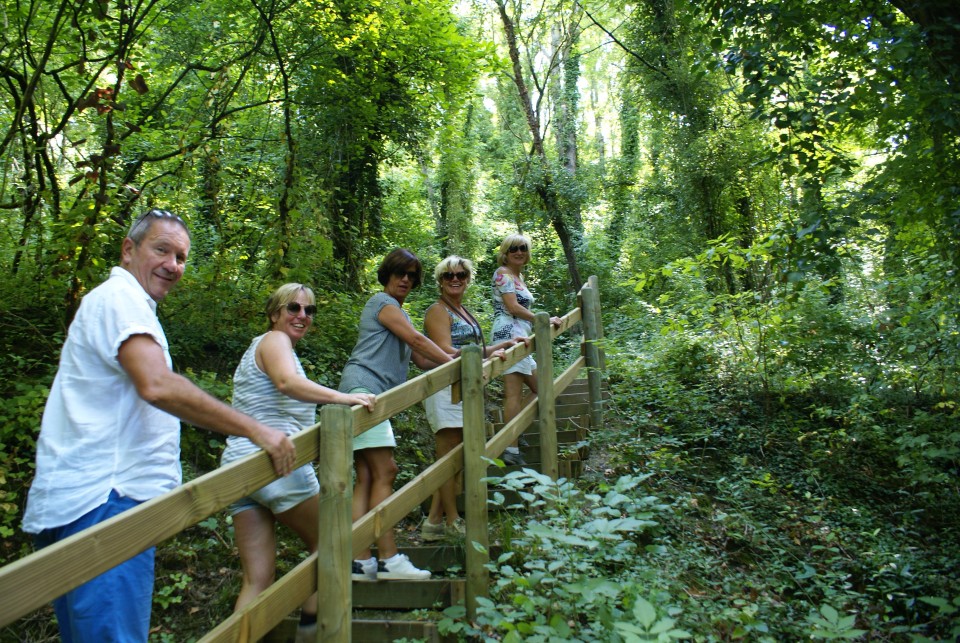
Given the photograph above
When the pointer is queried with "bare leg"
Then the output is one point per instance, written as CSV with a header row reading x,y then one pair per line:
x,y
445,500
512,397
513,394
304,521
361,493
383,471
256,542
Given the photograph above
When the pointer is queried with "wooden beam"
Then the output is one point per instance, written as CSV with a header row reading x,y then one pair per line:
x,y
546,400
474,481
335,537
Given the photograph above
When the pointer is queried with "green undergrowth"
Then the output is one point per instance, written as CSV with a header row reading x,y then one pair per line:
x,y
791,486
671,541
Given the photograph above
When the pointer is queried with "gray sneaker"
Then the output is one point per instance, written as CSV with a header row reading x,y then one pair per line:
x,y
514,459
457,530
430,532
306,633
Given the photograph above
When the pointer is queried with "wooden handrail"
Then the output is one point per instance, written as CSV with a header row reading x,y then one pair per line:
x,y
35,580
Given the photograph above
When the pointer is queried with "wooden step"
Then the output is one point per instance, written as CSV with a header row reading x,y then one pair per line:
x,y
386,631
367,630
408,594
565,436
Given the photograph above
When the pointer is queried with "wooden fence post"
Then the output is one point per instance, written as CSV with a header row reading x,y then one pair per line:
x,y
591,335
334,542
474,473
546,399
602,357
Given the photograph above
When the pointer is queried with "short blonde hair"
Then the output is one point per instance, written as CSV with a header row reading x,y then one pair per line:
x,y
447,265
515,239
283,296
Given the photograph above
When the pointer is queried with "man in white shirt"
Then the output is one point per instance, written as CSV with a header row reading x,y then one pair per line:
x,y
110,436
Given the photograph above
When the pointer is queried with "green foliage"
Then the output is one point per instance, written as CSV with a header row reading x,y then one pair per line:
x,y
829,624
767,190
813,444
567,566
170,588
647,628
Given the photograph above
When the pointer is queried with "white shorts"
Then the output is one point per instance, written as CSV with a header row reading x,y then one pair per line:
x,y
442,413
380,435
526,366
282,494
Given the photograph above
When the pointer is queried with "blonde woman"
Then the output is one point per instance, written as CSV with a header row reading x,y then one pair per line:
x,y
513,317
270,385
451,327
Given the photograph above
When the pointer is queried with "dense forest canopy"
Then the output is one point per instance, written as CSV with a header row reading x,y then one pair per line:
x,y
769,192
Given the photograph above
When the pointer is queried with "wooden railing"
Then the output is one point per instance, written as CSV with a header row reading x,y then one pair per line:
x,y
33,581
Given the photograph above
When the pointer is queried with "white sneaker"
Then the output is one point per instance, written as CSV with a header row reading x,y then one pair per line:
x,y
364,570
400,568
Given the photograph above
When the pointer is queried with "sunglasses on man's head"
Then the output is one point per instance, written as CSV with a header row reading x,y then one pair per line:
x,y
157,213
409,274
522,248
294,309
461,275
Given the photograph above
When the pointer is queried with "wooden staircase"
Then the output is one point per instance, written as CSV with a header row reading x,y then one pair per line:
x,y
387,610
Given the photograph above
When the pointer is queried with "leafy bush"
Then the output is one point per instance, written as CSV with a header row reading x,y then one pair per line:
x,y
567,569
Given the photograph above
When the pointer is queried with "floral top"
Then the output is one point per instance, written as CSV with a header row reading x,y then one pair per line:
x,y
505,325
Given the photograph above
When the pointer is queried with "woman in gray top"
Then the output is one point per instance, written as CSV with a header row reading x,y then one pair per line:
x,y
380,360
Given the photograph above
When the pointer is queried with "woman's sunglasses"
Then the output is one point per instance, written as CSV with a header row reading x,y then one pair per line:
x,y
521,248
412,275
448,276
294,309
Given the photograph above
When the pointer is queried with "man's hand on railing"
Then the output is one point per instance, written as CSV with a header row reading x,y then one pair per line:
x,y
280,449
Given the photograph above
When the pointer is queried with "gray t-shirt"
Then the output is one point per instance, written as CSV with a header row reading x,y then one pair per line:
x,y
380,360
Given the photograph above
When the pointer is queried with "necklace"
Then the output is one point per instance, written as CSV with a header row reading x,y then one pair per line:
x,y
467,317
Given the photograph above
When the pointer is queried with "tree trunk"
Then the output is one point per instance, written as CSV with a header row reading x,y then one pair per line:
x,y
569,236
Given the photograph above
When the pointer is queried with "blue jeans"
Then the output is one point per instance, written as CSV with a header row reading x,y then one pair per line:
x,y
115,606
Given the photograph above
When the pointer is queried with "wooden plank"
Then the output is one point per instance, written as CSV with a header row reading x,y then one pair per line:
x,y
592,334
475,487
577,396
598,323
384,631
581,385
546,400
365,631
335,537
573,410
567,436
405,595
35,580
566,427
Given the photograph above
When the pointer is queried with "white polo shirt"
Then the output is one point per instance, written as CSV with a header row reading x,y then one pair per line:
x,y
97,433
